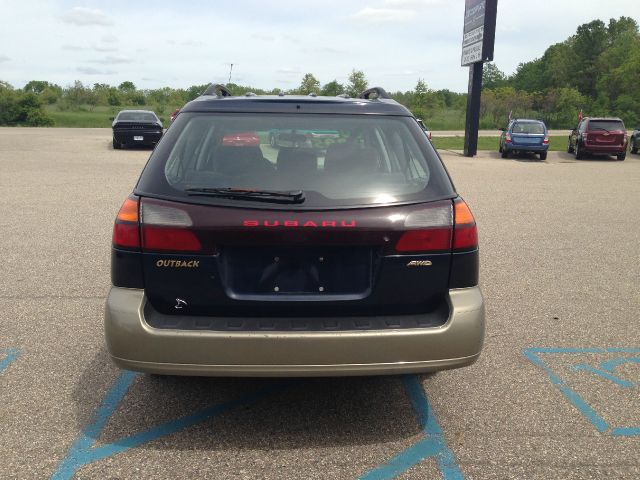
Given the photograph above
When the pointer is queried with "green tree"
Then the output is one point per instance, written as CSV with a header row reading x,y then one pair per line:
x,y
357,83
309,84
127,87
332,89
492,76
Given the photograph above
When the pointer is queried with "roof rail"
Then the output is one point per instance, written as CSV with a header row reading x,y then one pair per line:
x,y
217,90
373,93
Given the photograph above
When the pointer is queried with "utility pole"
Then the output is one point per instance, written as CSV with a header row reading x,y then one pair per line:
x,y
230,70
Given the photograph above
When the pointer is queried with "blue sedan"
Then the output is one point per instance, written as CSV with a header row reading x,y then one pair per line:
x,y
525,136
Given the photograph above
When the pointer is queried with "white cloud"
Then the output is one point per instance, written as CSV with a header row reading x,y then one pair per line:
x,y
83,16
109,39
104,48
72,48
94,71
384,15
413,3
4,58
112,60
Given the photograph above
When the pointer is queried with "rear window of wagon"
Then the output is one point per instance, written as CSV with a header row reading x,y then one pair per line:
x,y
336,160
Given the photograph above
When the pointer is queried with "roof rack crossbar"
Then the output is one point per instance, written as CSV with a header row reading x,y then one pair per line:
x,y
373,93
217,90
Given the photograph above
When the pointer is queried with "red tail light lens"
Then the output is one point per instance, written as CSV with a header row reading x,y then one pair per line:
x,y
465,233
428,230
167,229
431,240
126,231
507,138
169,239
546,140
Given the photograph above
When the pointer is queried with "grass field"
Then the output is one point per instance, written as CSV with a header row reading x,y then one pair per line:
x,y
98,117
556,144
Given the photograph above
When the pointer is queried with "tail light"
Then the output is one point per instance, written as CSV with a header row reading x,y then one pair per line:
x,y
507,138
546,141
465,232
126,230
430,231
167,229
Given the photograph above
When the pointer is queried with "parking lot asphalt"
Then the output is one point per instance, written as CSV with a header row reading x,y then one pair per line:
x,y
556,393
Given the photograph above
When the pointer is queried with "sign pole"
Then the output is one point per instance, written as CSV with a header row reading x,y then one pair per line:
x,y
478,41
473,110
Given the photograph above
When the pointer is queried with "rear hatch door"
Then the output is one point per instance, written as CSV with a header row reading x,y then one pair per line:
x,y
220,261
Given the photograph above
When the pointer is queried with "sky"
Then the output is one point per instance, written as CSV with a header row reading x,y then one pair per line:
x,y
272,44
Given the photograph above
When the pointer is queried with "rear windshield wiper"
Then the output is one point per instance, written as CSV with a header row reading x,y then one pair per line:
x,y
272,196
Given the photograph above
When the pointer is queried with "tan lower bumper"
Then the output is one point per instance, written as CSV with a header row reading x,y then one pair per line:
x,y
134,345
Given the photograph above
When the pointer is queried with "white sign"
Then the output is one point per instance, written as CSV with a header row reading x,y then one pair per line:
x,y
472,54
473,36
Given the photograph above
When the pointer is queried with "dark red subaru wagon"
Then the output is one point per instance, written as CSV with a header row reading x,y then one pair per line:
x,y
341,249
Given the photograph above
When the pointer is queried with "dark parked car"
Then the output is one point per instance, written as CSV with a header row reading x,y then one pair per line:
x,y
524,136
634,140
242,260
599,136
136,127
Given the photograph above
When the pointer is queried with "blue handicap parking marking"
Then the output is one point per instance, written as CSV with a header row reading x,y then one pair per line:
x,y
607,370
83,451
433,445
7,357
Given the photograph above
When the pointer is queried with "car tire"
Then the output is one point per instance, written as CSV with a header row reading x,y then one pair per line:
x,y
579,153
116,145
500,148
543,156
622,156
505,153
634,147
569,147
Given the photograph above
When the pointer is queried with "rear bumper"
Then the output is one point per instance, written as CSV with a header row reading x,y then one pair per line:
x,y
127,137
134,345
604,149
526,148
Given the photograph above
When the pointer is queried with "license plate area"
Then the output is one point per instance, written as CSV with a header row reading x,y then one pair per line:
x,y
138,138
290,273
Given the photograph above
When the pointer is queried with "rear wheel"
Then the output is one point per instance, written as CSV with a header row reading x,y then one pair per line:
x,y
500,148
543,155
579,153
634,146
622,156
505,153
569,146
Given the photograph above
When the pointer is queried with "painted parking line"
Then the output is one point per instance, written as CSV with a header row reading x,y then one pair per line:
x,y
432,445
83,451
605,370
7,357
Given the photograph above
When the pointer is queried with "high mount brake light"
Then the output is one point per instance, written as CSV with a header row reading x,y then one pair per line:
x,y
465,234
126,230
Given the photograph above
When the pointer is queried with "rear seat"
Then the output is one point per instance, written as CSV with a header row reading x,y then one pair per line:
x,y
351,158
296,161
